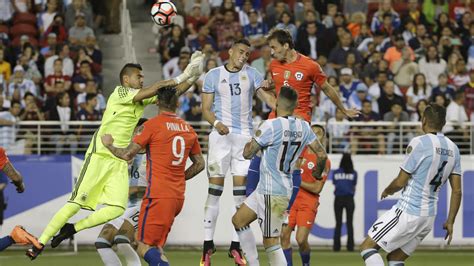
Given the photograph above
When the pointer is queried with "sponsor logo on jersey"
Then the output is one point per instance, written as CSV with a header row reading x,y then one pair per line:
x,y
287,74
299,75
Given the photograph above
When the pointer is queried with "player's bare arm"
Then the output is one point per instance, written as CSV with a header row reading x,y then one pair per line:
x,y
331,92
250,149
14,176
267,97
209,116
126,154
197,166
397,184
320,151
454,203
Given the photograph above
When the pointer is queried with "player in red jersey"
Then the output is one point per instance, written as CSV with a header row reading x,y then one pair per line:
x,y
169,141
304,210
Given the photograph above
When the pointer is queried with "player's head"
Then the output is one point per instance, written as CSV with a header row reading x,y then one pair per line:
x,y
319,131
239,53
131,76
287,101
434,118
281,42
167,99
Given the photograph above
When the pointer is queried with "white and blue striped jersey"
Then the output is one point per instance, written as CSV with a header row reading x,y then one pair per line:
x,y
137,177
430,160
282,139
233,94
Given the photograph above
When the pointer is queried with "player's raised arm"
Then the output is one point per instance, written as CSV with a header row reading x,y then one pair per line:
x,y
264,95
320,151
331,92
123,153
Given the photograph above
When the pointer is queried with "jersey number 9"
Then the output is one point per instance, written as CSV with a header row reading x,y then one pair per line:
x,y
178,141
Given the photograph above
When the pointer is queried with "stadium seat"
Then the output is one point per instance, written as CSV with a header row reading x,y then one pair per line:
x,y
24,18
16,42
23,29
4,29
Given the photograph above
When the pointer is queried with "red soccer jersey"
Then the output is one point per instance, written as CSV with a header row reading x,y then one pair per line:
x,y
3,158
169,141
300,75
309,162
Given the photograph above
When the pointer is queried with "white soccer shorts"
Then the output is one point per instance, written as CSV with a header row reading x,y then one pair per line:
x,y
398,229
131,215
270,210
227,151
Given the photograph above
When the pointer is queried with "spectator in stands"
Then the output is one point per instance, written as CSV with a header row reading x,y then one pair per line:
x,y
409,31
57,27
387,25
195,19
337,57
345,181
377,89
56,83
404,69
327,69
309,16
210,64
287,24
262,63
79,81
6,11
441,100
468,90
83,55
8,131
31,113
339,133
432,66
86,114
171,68
464,25
327,109
363,137
19,85
413,12
389,98
202,38
433,9
63,135
194,112
396,115
62,52
274,12
415,42
309,44
80,31
352,6
255,31
456,114
357,20
460,77
443,88
348,84
227,31
28,60
420,108
419,90
45,18
385,7
91,88
75,8
328,20
172,44
441,22
357,98
352,64
22,6
5,69
394,53
370,69
51,45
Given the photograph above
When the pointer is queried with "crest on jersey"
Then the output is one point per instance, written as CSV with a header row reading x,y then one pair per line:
x,y
258,133
310,165
299,75
243,77
287,74
409,149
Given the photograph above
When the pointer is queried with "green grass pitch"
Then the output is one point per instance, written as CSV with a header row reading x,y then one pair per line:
x,y
191,257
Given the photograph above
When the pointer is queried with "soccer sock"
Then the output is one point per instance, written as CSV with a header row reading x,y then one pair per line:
x,y
247,243
276,256
124,248
253,175
58,220
372,257
239,198
5,242
153,257
99,217
396,263
106,253
211,211
288,255
296,187
305,256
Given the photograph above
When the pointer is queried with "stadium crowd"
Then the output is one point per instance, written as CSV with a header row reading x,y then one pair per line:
x,y
388,58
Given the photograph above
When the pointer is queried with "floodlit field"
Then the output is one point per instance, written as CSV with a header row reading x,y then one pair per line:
x,y
191,257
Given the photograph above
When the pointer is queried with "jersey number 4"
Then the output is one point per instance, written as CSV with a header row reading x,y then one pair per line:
x,y
436,181
283,167
178,141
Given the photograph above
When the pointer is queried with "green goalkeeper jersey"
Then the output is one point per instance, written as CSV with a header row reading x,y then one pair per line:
x,y
120,119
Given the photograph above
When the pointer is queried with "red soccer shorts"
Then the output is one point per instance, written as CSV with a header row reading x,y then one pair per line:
x,y
156,218
302,214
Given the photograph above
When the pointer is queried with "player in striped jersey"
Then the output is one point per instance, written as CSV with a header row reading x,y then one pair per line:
x,y
282,140
431,160
121,230
227,105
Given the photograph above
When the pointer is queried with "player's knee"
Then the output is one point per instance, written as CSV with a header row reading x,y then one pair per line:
x,y
107,234
301,240
238,222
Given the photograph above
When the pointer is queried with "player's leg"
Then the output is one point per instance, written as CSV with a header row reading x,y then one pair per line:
x,y
154,256
124,237
246,214
370,254
104,242
397,257
218,163
296,177
350,229
302,234
273,208
239,197
287,228
338,208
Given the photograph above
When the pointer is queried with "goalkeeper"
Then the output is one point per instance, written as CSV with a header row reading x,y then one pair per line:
x,y
103,177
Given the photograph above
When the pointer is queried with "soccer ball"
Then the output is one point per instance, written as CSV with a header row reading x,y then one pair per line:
x,y
162,12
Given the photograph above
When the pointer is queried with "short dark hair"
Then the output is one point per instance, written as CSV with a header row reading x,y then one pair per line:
x,y
366,101
127,68
84,62
13,103
281,36
167,97
242,41
289,95
58,59
28,94
346,163
435,116
90,96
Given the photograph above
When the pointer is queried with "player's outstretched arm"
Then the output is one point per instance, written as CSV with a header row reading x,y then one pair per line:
x,y
209,116
250,149
267,97
454,203
14,176
126,154
331,92
151,90
197,166
320,151
397,184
